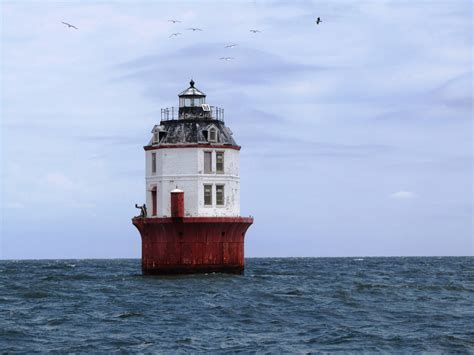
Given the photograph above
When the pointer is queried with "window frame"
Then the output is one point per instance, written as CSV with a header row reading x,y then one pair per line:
x,y
215,131
207,153
210,195
153,163
223,195
221,153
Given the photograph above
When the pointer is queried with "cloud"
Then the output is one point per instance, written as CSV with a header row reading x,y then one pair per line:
x,y
403,195
251,67
456,92
14,205
61,181
111,139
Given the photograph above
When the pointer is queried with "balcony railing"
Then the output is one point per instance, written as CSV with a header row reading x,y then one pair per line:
x,y
174,113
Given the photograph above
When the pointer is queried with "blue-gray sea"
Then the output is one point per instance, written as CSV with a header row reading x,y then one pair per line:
x,y
279,305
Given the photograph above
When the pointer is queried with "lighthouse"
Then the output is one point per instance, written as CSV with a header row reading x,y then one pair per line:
x,y
191,220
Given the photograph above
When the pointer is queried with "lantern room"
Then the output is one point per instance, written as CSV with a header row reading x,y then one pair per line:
x,y
191,97
192,103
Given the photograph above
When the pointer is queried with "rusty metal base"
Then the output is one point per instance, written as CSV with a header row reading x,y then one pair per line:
x,y
189,245
182,270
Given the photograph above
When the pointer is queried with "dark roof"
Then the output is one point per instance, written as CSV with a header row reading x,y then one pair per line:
x,y
191,131
192,91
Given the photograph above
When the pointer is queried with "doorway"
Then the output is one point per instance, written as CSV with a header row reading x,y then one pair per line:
x,y
154,202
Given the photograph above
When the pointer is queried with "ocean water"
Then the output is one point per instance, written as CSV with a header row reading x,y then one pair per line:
x,y
279,305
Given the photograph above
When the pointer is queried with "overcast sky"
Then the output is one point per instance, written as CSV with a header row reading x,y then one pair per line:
x,y
356,134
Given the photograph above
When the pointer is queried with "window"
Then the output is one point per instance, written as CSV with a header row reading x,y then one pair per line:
x,y
207,162
220,162
155,138
220,195
212,135
196,101
207,195
153,163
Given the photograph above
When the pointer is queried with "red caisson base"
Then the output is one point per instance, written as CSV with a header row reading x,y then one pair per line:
x,y
192,244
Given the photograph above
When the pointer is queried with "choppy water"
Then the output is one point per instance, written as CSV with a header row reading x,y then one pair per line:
x,y
290,305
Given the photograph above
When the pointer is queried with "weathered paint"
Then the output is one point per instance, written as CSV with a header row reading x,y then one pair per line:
x,y
192,245
177,204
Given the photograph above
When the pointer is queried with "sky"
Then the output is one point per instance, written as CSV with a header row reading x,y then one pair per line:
x,y
356,133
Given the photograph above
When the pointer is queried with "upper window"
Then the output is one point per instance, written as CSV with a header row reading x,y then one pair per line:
x,y
207,162
155,137
161,136
220,162
213,135
153,163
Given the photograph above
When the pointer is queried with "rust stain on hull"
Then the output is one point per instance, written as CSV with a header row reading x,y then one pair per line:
x,y
192,244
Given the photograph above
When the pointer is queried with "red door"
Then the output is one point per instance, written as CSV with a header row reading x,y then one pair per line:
x,y
153,202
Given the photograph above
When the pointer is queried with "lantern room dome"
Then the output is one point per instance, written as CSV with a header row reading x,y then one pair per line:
x,y
191,97
191,91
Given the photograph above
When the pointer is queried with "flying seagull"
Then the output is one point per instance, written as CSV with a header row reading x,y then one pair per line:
x,y
226,58
255,31
175,34
318,20
174,21
194,29
231,46
69,25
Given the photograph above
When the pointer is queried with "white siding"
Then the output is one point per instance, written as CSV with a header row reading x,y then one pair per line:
x,y
184,168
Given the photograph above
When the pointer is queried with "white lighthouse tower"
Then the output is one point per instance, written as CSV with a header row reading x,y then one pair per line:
x,y
193,222
194,151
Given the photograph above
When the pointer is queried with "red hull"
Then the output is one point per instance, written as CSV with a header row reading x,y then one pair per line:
x,y
192,244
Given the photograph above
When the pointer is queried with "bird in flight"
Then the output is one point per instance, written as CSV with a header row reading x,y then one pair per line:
x,y
69,25
175,34
226,58
231,46
174,21
255,31
194,29
318,20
